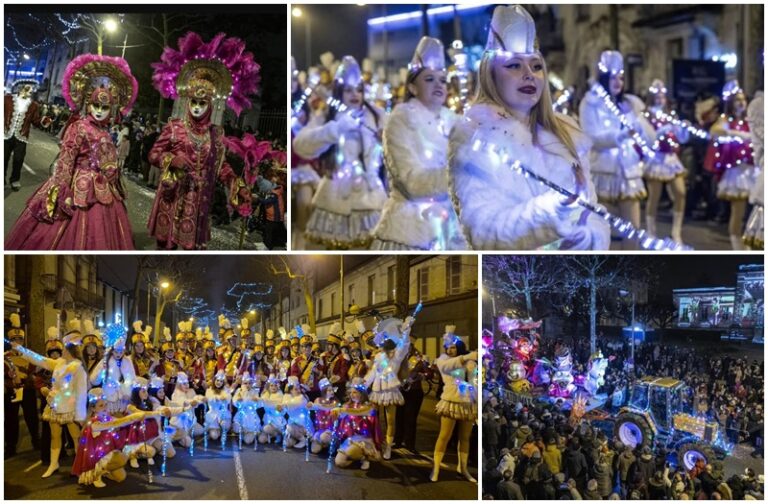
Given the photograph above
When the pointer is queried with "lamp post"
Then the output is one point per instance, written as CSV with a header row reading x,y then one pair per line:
x,y
298,13
107,26
341,287
625,293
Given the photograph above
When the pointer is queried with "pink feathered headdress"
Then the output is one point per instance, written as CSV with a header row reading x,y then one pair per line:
x,y
89,71
220,51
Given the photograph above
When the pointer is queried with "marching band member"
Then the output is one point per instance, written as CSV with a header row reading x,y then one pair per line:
x,y
22,383
186,424
218,419
753,232
350,196
497,207
617,161
298,428
273,422
666,167
283,359
382,378
21,112
335,363
458,403
323,422
307,368
247,401
729,156
416,153
358,431
67,399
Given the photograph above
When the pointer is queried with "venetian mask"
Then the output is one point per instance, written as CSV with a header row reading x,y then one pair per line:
x,y
198,108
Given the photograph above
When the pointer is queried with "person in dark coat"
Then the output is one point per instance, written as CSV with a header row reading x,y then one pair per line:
x,y
575,464
491,432
507,489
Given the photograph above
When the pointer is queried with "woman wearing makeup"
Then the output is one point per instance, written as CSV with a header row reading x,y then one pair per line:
x,y
418,214
348,202
617,161
499,208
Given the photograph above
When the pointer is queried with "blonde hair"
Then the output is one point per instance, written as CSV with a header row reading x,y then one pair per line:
x,y
541,114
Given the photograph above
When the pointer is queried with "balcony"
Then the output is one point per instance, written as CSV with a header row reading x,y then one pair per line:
x,y
95,300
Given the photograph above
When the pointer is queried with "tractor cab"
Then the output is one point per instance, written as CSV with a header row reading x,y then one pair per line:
x,y
660,398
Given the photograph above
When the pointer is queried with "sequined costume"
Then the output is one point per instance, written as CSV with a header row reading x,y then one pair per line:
x,y
246,418
459,398
359,429
102,438
730,156
666,165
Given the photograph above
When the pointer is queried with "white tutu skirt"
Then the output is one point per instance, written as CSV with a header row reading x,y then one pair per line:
x,y
463,411
611,188
666,170
249,423
304,175
753,232
366,444
736,183
59,418
387,397
340,231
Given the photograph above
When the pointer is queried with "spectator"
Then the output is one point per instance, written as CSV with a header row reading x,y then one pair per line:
x,y
508,489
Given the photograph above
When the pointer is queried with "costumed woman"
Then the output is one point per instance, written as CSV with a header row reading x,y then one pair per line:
x,y
218,419
458,402
418,214
144,439
273,421
304,178
346,144
497,207
186,423
68,397
323,422
115,375
81,206
99,450
246,422
665,167
729,156
753,232
617,161
383,379
299,427
358,435
201,77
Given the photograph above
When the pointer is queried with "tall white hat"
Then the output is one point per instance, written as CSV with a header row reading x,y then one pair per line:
x,y
512,30
429,54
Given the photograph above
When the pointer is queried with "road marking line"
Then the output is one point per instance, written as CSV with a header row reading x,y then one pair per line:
x,y
36,464
28,168
240,477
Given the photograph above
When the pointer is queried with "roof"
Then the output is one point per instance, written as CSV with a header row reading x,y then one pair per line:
x,y
660,382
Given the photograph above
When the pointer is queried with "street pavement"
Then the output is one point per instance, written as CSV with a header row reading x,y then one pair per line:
x,y
265,474
42,151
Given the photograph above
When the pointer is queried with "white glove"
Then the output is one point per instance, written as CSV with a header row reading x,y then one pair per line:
x,y
346,123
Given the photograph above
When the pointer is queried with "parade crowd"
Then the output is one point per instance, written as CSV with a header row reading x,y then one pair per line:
x,y
117,399
534,452
426,159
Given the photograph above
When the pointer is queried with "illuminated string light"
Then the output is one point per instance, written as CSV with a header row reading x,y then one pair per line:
x,y
614,109
663,116
623,226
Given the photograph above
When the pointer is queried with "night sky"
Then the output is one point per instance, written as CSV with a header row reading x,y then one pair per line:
x,y
216,274
341,29
681,272
262,27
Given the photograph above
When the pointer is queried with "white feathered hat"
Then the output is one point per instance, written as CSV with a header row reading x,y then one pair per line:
x,y
512,30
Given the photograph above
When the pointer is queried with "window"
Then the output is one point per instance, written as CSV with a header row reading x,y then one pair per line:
x,y
333,304
391,283
452,275
371,292
423,281
582,12
320,308
351,294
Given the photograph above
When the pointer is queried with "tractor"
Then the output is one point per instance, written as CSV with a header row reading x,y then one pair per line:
x,y
660,411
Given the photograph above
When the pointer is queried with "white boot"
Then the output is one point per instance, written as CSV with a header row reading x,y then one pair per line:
x,y
650,224
54,466
365,464
463,458
438,459
98,483
387,451
134,463
737,243
677,226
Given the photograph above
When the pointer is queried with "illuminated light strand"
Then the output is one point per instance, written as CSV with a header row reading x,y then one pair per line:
x,y
343,109
562,99
314,80
332,448
614,109
624,227
663,116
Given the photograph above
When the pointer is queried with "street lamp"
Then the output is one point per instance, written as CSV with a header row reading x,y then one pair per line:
x,y
164,285
110,25
625,293
298,13
26,56
341,286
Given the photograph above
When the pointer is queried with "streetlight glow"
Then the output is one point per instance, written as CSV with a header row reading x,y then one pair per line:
x,y
165,285
297,12
110,25
25,56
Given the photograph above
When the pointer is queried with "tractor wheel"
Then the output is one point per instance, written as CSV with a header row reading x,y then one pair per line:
x,y
689,453
633,430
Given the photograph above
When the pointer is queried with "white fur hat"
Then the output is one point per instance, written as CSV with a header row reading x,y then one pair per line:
x,y
348,73
429,54
611,62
